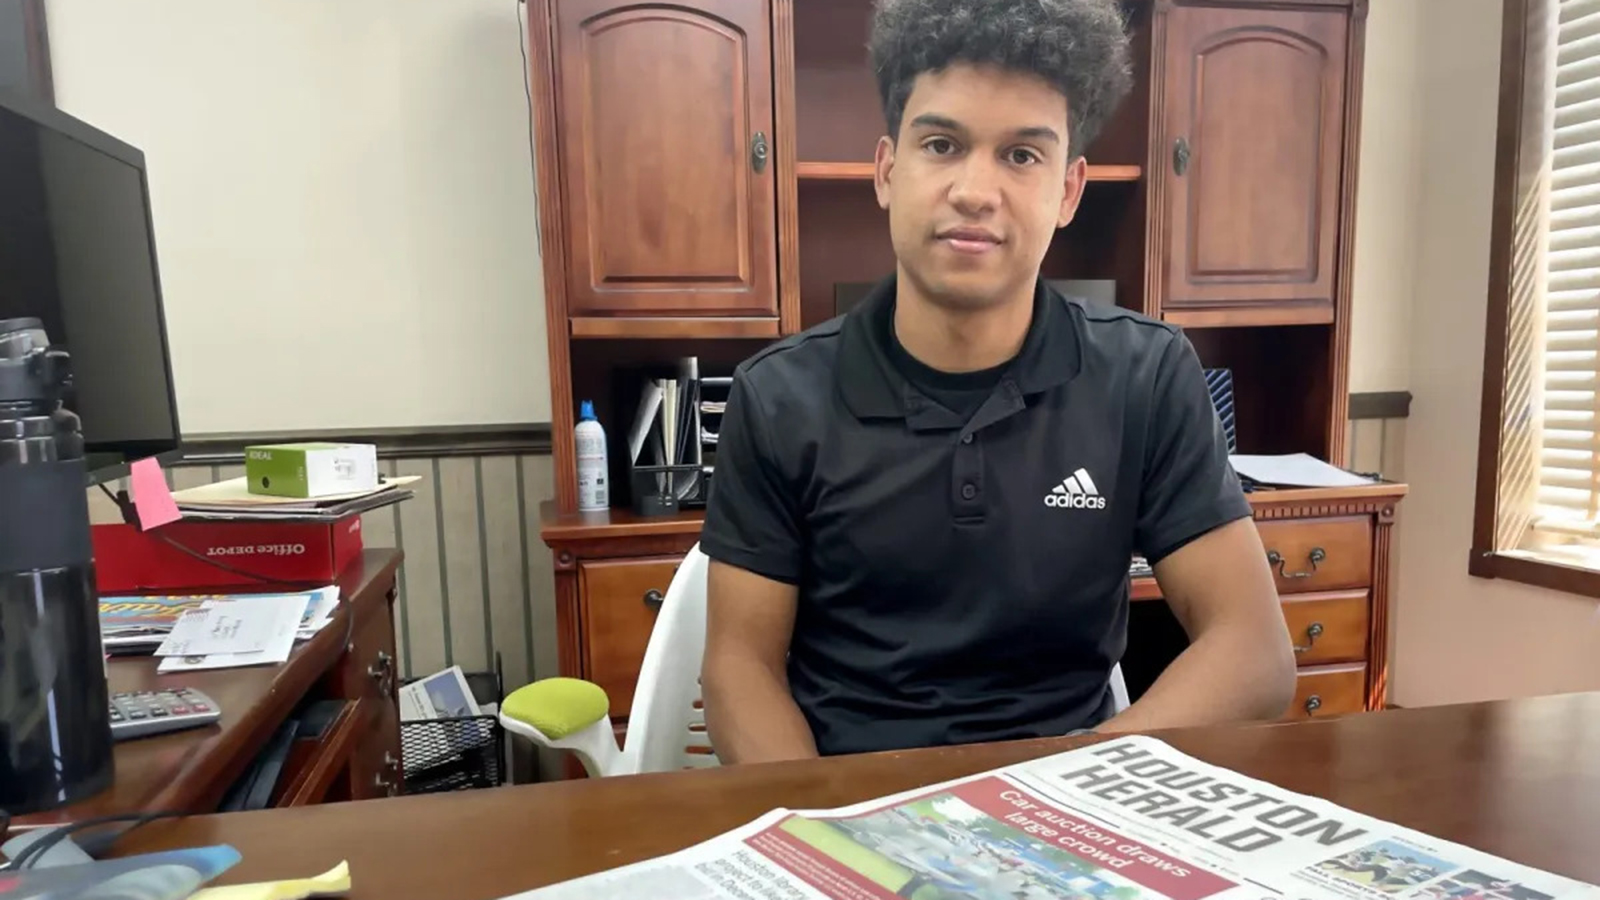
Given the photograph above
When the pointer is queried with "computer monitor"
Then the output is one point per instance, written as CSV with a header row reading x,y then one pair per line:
x,y
77,251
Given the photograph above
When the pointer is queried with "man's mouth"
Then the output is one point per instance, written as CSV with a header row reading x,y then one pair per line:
x,y
969,240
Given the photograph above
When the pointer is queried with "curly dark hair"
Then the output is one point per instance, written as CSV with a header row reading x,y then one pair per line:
x,y
1079,46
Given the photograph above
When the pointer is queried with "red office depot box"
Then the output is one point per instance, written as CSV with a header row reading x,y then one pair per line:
x,y
127,559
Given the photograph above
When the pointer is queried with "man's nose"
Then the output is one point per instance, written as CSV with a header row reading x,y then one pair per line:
x,y
976,188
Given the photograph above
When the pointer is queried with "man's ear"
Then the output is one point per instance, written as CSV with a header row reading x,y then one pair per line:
x,y
1077,178
882,168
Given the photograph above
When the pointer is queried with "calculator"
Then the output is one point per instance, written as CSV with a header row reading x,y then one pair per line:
x,y
140,713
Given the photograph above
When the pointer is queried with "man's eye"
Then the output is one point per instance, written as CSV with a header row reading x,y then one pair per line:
x,y
1022,156
940,146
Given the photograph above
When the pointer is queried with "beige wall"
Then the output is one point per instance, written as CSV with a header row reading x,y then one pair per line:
x,y
343,203
1386,201
1456,637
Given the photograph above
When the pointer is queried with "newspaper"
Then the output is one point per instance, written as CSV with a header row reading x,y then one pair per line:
x,y
1128,819
443,695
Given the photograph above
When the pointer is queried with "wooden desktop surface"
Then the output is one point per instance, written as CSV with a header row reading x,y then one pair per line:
x,y
1520,779
190,770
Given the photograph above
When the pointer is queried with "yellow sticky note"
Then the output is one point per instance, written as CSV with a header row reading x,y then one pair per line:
x,y
334,881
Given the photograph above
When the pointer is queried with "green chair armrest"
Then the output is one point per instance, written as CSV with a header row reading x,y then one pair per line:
x,y
557,706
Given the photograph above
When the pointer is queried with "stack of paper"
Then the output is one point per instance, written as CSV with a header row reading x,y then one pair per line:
x,y
232,499
248,630
1293,470
136,624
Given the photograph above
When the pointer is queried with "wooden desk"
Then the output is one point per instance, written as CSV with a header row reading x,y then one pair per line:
x,y
191,770
1520,779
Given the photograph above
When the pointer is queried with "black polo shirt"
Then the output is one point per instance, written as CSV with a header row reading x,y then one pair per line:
x,y
964,577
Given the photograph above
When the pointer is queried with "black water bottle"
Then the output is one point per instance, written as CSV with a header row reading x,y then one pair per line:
x,y
55,729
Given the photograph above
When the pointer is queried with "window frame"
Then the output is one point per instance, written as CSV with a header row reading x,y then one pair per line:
x,y
1519,158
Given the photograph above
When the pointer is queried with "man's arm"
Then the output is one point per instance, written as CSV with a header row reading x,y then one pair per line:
x,y
1239,664
1196,530
750,713
754,534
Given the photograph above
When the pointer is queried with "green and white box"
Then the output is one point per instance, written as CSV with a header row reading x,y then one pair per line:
x,y
311,470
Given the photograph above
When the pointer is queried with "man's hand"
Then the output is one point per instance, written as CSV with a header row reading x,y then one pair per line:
x,y
1240,661
750,714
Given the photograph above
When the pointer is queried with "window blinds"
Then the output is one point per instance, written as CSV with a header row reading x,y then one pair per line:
x,y
1567,499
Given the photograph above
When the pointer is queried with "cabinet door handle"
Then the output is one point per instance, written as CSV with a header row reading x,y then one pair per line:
x,y
1316,556
1180,156
1312,633
1313,703
758,152
652,598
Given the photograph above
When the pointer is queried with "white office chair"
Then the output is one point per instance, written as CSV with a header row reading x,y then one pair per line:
x,y
666,729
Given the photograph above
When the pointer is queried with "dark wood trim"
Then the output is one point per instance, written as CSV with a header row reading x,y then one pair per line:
x,y
1539,573
1380,405
1508,141
787,169
393,443
670,328
1518,158
553,243
1344,260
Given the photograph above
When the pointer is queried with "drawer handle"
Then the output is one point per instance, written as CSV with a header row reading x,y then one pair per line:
x,y
382,672
1316,556
652,599
1313,703
1312,633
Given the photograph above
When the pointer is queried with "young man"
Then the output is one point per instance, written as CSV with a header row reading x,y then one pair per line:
x,y
923,512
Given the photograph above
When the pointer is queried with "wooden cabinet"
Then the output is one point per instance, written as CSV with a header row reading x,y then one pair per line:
x,y
666,132
619,600
1251,158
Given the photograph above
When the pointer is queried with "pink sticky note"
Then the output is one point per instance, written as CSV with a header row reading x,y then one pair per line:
x,y
152,499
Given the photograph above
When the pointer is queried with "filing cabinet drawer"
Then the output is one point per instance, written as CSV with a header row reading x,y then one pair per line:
x,y
619,600
1318,554
1329,691
1328,627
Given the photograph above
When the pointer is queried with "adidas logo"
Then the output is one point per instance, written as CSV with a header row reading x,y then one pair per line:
x,y
1077,492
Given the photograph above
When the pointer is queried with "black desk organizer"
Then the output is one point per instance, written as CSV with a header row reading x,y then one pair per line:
x,y
457,754
656,490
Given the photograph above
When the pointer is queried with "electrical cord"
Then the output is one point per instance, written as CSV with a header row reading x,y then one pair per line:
x,y
31,853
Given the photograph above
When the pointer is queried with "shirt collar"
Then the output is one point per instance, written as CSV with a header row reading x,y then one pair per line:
x,y
872,387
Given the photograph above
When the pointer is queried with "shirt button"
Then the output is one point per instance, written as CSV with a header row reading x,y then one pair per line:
x,y
968,491
966,438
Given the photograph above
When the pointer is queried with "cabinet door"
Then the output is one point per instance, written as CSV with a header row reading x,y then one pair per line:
x,y
620,599
665,117
1253,150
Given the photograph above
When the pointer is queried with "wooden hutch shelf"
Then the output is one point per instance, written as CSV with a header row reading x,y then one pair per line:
x,y
1228,208
862,171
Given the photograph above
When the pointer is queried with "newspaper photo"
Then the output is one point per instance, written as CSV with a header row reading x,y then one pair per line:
x,y
1128,819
